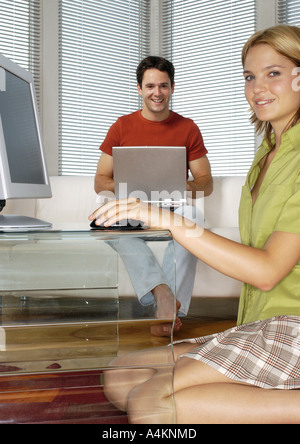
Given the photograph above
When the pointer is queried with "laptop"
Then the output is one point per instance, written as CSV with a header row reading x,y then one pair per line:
x,y
154,174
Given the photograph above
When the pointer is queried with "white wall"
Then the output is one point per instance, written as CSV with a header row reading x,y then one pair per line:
x,y
49,94
266,13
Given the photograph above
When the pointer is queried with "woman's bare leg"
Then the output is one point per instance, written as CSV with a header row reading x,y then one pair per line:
x,y
134,369
152,402
146,393
227,403
200,394
211,398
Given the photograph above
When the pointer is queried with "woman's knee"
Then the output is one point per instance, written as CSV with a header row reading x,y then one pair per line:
x,y
118,383
152,402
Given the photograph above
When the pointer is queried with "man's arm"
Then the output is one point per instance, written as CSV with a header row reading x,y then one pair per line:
x,y
201,171
104,180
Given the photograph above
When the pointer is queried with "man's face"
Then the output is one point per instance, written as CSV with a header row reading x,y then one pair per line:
x,y
156,91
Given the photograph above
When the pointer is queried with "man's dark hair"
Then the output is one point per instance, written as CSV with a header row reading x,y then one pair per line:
x,y
155,62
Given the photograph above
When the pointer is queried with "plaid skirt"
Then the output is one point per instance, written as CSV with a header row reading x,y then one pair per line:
x,y
265,353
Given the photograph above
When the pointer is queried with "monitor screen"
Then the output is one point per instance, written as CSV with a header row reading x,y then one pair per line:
x,y
23,169
19,130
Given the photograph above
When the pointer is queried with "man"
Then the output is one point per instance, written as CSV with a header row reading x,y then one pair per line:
x,y
157,125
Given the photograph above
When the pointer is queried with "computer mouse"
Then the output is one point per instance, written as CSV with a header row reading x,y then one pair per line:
x,y
130,224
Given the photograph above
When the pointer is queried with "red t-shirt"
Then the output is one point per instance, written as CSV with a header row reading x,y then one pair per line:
x,y
134,130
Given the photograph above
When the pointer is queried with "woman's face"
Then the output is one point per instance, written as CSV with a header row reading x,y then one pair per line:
x,y
270,86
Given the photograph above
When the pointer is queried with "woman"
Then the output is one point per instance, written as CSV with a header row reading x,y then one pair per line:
x,y
248,374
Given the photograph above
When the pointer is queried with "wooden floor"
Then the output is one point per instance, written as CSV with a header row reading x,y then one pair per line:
x,y
91,335
194,325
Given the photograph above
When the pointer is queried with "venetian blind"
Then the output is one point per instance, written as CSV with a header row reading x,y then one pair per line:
x,y
204,39
289,12
101,44
20,35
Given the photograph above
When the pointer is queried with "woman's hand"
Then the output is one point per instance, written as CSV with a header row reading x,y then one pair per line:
x,y
133,209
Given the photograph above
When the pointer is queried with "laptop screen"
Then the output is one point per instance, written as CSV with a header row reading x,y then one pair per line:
x,y
151,173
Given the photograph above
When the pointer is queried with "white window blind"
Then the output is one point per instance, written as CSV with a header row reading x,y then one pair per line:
x,y
101,44
204,39
20,35
289,12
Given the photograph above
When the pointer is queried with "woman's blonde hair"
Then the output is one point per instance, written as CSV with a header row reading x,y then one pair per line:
x,y
285,40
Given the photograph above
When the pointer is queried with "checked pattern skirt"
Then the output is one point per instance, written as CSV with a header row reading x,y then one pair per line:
x,y
264,353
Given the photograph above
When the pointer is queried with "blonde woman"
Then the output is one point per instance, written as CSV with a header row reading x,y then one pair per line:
x,y
251,373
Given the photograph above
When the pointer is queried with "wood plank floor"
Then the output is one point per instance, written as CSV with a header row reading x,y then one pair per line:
x,y
68,335
206,316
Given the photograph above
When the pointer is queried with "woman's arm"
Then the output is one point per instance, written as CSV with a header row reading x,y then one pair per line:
x,y
262,268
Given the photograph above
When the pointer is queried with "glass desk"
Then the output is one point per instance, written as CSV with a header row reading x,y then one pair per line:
x,y
62,316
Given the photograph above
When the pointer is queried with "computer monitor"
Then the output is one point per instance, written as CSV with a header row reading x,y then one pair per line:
x,y
23,169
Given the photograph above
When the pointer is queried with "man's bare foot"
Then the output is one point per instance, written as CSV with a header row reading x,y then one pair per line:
x,y
164,299
165,310
165,330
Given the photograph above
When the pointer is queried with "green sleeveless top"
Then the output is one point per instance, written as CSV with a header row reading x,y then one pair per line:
x,y
277,208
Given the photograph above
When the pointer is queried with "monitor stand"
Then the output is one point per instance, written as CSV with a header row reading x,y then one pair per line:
x,y
16,223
